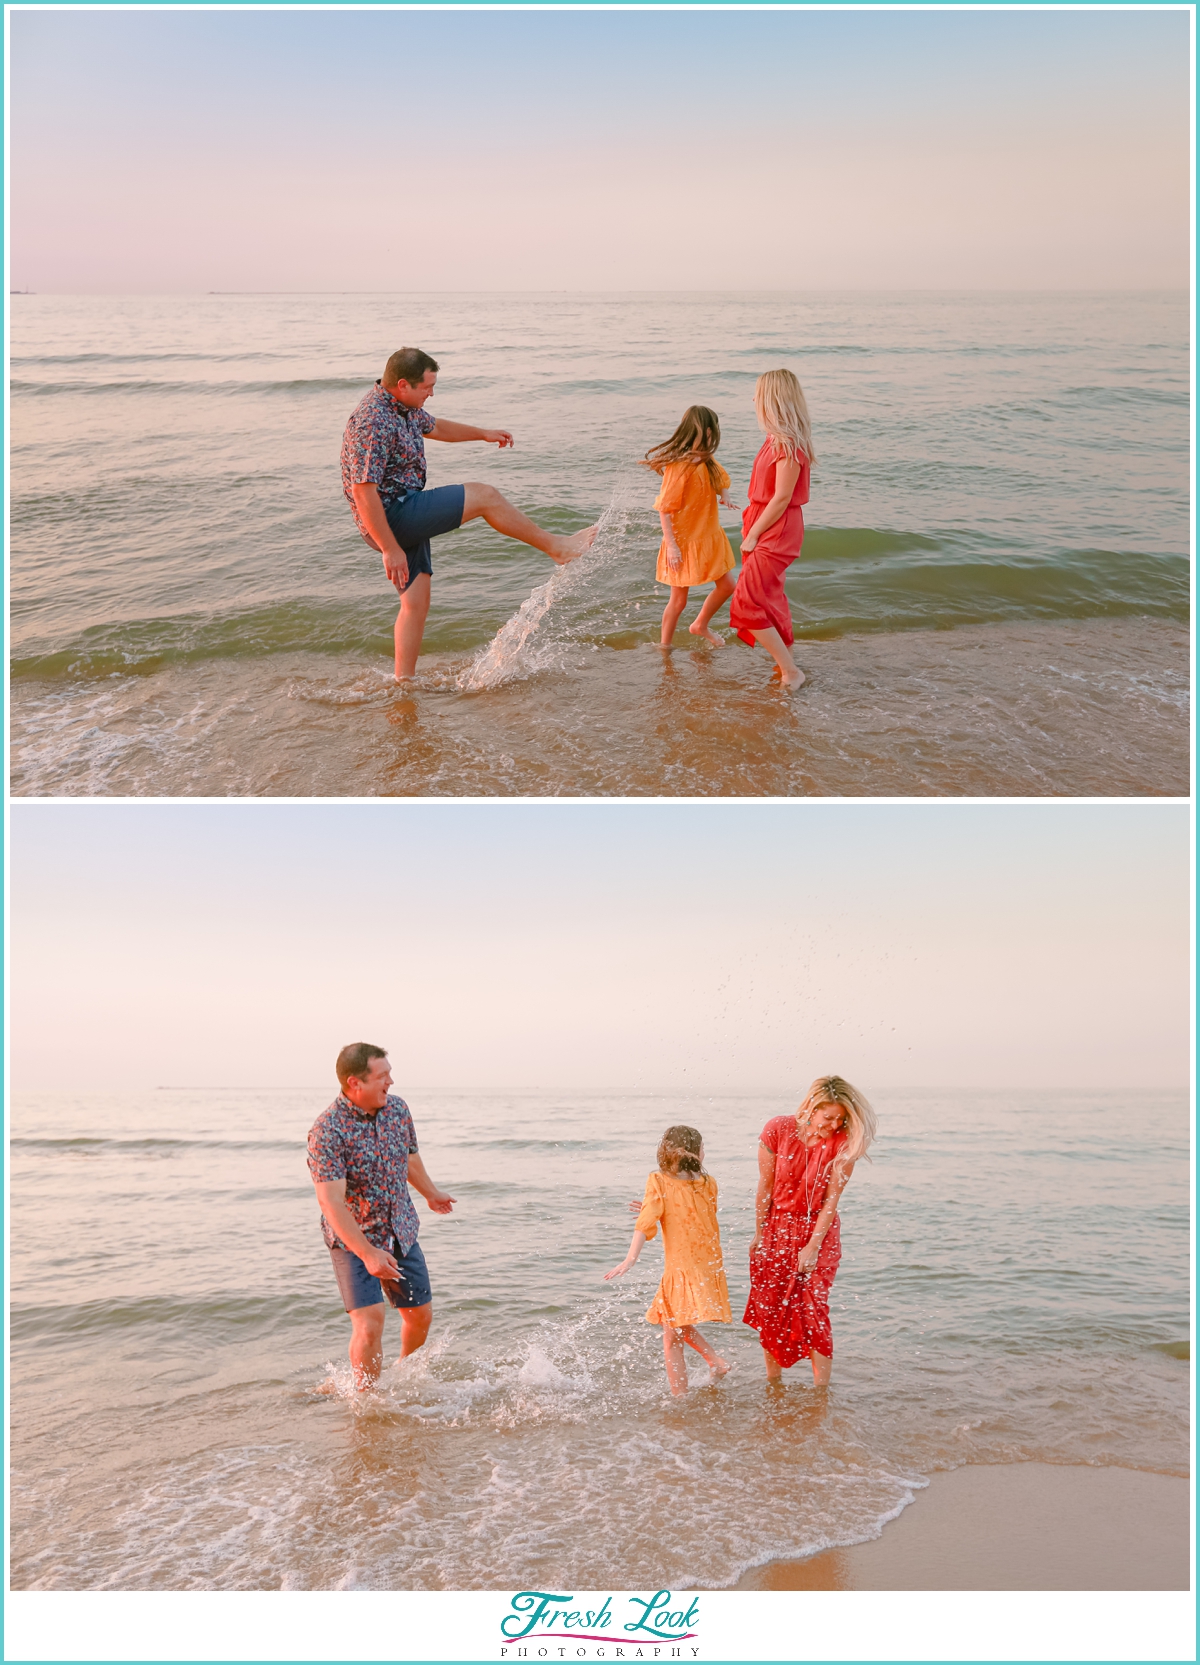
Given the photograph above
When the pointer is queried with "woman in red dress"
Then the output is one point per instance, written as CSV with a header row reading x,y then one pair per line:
x,y
804,1162
773,521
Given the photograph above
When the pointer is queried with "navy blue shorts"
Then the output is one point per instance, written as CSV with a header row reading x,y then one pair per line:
x,y
359,1289
420,516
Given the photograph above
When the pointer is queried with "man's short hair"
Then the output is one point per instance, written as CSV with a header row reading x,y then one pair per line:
x,y
408,364
355,1060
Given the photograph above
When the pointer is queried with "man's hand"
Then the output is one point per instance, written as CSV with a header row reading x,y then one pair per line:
x,y
441,1202
498,436
396,566
380,1264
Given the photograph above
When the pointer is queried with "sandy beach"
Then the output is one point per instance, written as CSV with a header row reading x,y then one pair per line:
x,y
1020,1526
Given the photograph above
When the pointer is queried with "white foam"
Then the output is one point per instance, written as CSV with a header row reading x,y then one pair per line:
x,y
536,635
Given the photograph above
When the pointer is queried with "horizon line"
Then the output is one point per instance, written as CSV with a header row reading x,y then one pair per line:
x,y
853,289
592,1092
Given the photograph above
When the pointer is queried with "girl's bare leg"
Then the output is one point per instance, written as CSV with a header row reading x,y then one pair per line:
x,y
774,1368
673,1359
692,1338
789,672
671,613
821,1369
722,590
410,625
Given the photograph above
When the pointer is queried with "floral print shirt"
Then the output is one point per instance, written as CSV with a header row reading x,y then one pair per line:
x,y
371,1154
384,443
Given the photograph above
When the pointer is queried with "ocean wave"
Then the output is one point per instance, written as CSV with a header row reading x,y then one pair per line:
x,y
125,1145
849,581
193,389
256,357
43,1323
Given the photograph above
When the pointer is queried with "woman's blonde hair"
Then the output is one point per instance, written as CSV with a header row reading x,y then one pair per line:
x,y
679,1151
782,411
694,440
859,1121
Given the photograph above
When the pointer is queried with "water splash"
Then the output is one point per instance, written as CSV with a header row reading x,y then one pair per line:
x,y
534,638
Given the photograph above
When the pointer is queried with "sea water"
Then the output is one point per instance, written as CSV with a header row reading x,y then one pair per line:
x,y
1014,1287
992,598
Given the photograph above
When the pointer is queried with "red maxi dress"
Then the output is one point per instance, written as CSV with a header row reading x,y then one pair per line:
x,y
791,1313
759,599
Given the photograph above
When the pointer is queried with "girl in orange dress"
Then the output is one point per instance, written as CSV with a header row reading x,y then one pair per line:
x,y
804,1162
773,522
694,549
693,1289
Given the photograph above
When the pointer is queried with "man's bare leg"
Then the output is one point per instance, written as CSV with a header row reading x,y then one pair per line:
x,y
410,625
414,1327
500,514
790,673
366,1345
722,590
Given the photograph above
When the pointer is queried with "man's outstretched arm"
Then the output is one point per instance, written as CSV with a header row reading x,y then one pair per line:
x,y
440,1201
455,432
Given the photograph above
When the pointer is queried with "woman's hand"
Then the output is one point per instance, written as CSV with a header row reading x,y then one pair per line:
x,y
750,539
635,1207
807,1258
756,1243
618,1271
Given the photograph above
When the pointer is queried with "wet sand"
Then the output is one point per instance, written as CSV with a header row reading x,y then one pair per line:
x,y
1024,1526
1097,707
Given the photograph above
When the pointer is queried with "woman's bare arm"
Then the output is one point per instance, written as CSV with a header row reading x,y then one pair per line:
x,y
787,472
762,1198
837,1184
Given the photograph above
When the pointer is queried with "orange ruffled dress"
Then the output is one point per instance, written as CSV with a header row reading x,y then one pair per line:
x,y
693,1288
689,497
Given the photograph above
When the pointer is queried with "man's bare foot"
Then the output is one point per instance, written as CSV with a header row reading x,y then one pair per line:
x,y
698,629
570,549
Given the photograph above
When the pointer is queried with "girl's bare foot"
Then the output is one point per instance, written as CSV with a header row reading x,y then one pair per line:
x,y
718,1368
791,683
698,629
563,550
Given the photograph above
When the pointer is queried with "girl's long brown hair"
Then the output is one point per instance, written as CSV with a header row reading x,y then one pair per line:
x,y
694,440
679,1151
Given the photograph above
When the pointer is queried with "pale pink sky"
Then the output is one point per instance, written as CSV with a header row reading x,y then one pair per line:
x,y
156,150
616,948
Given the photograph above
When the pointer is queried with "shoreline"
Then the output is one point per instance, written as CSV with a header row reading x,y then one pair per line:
x,y
1014,1526
1003,710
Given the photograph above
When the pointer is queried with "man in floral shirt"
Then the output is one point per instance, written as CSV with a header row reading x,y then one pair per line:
x,y
383,478
362,1155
